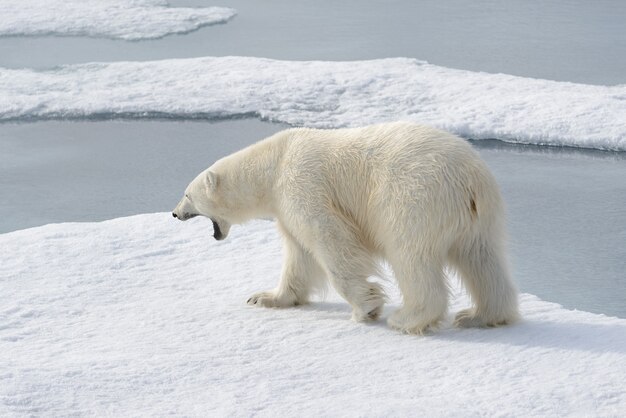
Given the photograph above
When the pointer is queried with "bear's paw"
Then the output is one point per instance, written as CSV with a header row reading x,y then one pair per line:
x,y
410,322
270,299
469,318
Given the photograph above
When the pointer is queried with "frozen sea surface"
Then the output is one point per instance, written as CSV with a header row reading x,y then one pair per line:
x,y
147,316
325,94
121,19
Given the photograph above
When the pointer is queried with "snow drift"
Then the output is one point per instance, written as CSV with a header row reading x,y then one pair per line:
x,y
326,94
121,19
145,315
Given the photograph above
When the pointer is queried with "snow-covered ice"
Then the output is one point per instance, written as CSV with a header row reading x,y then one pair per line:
x,y
121,19
146,316
326,94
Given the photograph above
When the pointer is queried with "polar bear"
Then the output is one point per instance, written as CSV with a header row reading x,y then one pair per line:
x,y
345,199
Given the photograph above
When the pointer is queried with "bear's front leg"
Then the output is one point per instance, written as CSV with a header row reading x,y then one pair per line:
x,y
301,274
349,264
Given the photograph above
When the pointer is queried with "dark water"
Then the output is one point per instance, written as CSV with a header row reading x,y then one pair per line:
x,y
567,222
58,171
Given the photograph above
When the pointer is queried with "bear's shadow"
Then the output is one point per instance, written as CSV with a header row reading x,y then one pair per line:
x,y
530,333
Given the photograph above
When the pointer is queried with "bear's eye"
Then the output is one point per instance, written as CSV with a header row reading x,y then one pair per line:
x,y
187,196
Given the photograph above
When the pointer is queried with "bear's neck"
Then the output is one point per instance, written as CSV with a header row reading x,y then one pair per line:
x,y
254,173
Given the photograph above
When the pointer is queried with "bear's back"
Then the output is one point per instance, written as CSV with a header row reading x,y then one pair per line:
x,y
396,149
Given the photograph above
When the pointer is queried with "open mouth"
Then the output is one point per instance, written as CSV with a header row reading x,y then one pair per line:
x,y
217,232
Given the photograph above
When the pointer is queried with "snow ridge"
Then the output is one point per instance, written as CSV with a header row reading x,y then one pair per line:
x,y
326,94
119,19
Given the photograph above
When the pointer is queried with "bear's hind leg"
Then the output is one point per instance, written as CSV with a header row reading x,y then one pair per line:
x,y
484,271
301,275
425,296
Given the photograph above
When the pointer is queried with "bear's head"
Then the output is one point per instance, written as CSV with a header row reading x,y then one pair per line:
x,y
203,197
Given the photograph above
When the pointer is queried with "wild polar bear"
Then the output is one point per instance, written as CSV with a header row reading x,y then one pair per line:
x,y
345,199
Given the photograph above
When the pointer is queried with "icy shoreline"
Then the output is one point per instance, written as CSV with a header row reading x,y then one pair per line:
x,y
325,94
130,20
145,315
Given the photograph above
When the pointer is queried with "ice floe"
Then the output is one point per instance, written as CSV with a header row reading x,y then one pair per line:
x,y
121,19
326,94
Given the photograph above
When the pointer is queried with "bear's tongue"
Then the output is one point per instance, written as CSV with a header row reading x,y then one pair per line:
x,y
217,232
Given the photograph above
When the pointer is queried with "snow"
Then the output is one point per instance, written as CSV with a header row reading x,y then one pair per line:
x,y
326,94
146,316
121,19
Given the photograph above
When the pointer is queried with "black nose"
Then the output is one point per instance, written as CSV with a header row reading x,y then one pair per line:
x,y
174,215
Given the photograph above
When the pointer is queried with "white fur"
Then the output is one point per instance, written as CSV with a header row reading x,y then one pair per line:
x,y
417,197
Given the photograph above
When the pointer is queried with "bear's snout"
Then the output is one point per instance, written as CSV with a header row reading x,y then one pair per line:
x,y
184,215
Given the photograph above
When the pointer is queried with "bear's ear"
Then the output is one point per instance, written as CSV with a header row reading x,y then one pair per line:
x,y
211,181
